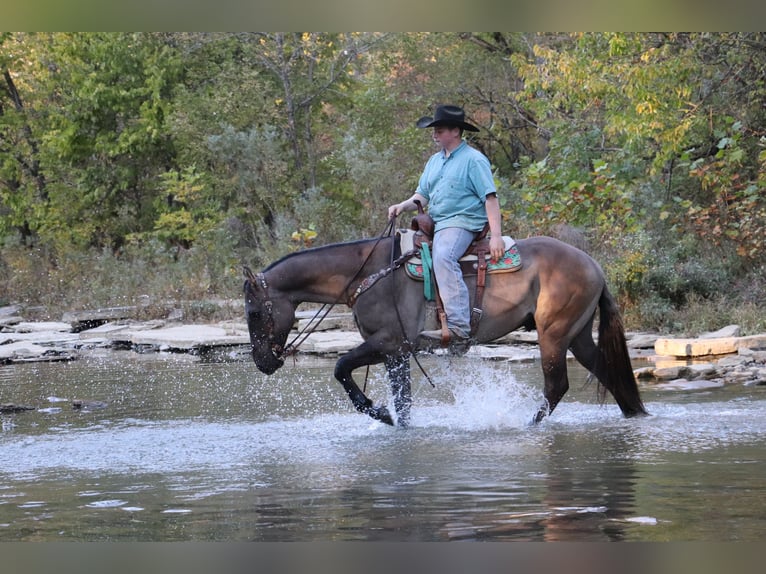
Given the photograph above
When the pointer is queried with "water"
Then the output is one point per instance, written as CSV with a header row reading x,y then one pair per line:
x,y
173,449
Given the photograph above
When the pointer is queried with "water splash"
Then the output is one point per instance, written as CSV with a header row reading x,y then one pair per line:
x,y
482,396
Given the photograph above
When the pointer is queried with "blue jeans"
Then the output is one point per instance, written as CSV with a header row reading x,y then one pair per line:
x,y
449,245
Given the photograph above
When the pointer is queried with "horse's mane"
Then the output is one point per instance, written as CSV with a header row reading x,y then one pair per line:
x,y
316,251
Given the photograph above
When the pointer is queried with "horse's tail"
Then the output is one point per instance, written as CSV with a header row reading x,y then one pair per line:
x,y
613,367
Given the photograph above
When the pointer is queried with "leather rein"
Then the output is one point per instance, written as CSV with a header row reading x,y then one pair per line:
x,y
279,351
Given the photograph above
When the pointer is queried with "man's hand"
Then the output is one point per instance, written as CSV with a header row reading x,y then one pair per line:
x,y
394,210
496,247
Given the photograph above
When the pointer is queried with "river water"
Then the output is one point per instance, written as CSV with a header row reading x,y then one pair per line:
x,y
171,448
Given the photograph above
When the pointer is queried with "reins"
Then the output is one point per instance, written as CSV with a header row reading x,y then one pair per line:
x,y
325,309
401,323
292,347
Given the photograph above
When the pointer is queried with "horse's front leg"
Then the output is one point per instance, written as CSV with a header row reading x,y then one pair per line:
x,y
361,356
398,368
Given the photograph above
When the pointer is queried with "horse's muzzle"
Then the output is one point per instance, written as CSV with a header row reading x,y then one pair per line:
x,y
267,364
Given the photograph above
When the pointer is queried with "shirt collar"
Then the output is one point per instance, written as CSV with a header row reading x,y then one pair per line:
x,y
454,151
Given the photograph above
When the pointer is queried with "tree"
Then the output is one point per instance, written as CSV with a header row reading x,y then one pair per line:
x,y
107,138
23,185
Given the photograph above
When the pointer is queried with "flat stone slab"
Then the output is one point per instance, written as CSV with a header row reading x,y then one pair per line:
x,y
104,331
334,320
188,337
505,352
25,352
728,331
329,342
10,408
641,340
10,320
521,336
40,338
42,326
7,310
685,385
95,315
701,347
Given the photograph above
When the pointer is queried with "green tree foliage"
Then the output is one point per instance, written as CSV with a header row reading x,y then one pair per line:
x,y
227,146
91,127
107,137
23,189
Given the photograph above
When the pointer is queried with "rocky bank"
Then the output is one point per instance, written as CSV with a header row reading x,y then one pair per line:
x,y
709,359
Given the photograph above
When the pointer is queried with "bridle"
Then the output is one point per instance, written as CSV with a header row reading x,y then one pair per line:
x,y
277,350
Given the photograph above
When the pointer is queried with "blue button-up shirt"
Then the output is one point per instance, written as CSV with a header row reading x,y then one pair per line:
x,y
456,187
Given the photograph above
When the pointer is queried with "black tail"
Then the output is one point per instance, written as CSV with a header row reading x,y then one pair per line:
x,y
613,366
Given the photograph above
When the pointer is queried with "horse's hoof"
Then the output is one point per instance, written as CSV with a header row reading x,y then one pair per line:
x,y
381,414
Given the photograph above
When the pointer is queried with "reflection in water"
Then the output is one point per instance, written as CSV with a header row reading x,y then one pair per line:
x,y
590,487
183,450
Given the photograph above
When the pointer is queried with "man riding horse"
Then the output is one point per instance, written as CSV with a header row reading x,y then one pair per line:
x,y
458,186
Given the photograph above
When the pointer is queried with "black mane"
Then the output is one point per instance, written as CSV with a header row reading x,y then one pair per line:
x,y
315,251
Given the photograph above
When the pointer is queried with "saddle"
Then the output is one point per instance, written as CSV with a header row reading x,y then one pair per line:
x,y
475,261
469,262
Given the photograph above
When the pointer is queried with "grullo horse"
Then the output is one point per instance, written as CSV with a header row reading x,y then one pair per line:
x,y
557,291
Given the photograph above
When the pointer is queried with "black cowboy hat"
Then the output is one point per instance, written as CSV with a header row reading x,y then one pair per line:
x,y
447,116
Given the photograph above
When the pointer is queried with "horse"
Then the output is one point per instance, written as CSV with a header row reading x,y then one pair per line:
x,y
556,291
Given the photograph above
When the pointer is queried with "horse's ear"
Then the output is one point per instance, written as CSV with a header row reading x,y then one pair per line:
x,y
249,275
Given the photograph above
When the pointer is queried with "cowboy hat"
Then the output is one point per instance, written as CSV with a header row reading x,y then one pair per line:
x,y
447,116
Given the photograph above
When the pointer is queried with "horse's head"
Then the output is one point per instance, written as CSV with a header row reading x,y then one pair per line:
x,y
269,320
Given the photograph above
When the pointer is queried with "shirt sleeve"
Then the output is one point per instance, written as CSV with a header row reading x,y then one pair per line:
x,y
424,188
481,176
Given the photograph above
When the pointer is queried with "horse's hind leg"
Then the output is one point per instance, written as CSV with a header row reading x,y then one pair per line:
x,y
553,357
584,349
613,371
398,368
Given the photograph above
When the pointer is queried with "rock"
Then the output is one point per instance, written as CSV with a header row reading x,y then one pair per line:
x,y
696,347
10,408
24,352
729,331
10,320
528,337
188,337
88,319
9,310
700,371
668,373
43,327
644,373
734,361
505,352
686,385
641,341
48,338
708,346
330,342
753,342
175,315
103,331
343,321
738,377
119,335
744,363
79,404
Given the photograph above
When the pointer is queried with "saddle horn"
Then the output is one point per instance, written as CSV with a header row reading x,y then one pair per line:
x,y
423,222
